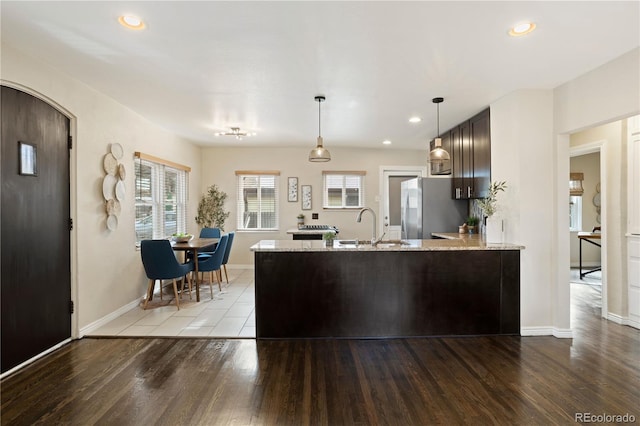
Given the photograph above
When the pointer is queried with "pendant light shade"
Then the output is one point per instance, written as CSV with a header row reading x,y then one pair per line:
x,y
438,154
319,154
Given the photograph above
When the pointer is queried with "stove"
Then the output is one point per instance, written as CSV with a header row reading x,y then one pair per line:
x,y
313,232
317,228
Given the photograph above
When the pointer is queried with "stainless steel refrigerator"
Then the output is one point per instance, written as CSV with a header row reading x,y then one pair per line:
x,y
426,206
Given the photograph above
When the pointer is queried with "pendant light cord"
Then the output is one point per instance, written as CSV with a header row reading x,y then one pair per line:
x,y
438,122
319,127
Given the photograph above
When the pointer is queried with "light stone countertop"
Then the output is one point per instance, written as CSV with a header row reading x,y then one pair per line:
x,y
463,242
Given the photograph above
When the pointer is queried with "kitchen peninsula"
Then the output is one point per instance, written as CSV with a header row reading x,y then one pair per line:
x,y
438,287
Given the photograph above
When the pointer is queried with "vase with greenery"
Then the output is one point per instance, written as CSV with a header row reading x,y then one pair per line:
x,y
488,204
300,219
328,238
211,213
493,228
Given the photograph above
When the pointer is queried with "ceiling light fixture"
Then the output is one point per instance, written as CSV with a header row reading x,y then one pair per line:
x,y
319,154
386,142
235,131
438,154
132,22
522,29
415,120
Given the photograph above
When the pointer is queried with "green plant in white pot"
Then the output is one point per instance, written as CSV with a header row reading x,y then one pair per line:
x,y
211,213
493,227
328,238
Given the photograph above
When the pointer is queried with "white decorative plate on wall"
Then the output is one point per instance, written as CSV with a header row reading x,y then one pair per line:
x,y
112,222
120,191
109,187
116,150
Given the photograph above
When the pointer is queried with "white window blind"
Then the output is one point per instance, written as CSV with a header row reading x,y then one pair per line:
x,y
575,213
257,200
343,189
161,197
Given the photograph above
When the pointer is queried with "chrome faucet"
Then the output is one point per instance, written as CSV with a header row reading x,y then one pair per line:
x,y
374,240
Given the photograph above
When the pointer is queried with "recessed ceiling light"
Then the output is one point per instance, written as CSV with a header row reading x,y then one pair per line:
x,y
415,120
132,22
522,29
386,142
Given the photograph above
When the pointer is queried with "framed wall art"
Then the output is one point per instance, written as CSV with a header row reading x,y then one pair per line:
x,y
306,197
292,189
28,159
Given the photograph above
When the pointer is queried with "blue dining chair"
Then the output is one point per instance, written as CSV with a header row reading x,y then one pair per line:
x,y
160,263
210,233
207,233
213,262
225,258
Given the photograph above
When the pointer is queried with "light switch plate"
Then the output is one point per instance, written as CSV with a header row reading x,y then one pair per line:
x,y
314,216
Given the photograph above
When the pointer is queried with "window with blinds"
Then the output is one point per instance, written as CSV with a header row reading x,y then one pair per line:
x,y
161,198
257,200
343,190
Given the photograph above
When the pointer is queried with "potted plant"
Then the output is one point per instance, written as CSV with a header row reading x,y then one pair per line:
x,y
328,238
472,222
493,227
211,213
300,220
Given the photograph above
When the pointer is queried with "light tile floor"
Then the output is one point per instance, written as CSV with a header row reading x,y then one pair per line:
x,y
231,313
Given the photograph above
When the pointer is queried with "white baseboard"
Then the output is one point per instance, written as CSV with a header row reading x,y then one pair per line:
x,y
109,317
623,320
633,323
536,331
560,333
35,358
563,333
126,308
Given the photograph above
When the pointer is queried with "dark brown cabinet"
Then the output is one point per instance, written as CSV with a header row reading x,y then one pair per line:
x,y
471,157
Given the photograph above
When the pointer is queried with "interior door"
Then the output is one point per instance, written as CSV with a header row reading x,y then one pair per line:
x,y
391,203
35,238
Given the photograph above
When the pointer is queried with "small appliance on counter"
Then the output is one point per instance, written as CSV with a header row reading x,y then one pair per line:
x,y
311,232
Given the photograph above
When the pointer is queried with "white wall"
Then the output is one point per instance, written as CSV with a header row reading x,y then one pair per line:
x,y
219,166
604,95
521,153
108,271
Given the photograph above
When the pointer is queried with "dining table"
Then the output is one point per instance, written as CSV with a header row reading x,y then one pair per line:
x,y
194,246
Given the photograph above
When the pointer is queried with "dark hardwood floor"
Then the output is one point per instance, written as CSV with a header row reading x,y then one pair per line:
x,y
469,380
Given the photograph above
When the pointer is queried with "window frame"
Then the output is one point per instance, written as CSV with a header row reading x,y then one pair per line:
x,y
157,201
344,174
241,218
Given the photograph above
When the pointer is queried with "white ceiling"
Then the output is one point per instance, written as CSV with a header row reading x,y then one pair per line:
x,y
201,67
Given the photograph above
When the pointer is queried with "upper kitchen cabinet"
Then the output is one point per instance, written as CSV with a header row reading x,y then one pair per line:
x,y
471,157
481,148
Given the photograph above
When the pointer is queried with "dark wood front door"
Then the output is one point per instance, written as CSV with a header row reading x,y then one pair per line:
x,y
36,266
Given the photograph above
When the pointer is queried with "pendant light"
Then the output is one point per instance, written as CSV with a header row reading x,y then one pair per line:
x,y
319,154
438,154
